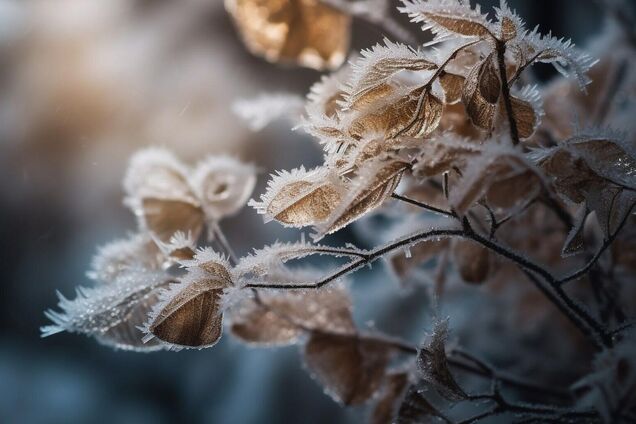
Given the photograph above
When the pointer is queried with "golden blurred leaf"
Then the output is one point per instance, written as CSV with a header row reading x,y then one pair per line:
x,y
166,217
304,32
350,368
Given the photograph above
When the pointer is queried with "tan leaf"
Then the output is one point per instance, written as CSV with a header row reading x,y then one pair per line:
x,y
350,368
374,183
458,24
190,314
279,319
300,198
452,85
439,155
508,29
386,408
472,260
305,32
406,115
165,217
481,93
525,116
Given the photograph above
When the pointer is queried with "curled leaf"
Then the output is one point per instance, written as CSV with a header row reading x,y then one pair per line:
x,y
349,367
189,314
452,85
415,408
433,365
299,198
481,93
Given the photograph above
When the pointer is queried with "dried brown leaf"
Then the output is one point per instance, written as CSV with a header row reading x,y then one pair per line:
x,y
305,32
481,93
387,406
279,319
164,217
458,24
452,85
472,260
508,29
525,116
350,368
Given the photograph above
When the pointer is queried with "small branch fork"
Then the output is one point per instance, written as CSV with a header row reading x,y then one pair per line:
x,y
550,285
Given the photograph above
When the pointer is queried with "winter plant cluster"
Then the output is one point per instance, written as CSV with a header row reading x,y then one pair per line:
x,y
485,177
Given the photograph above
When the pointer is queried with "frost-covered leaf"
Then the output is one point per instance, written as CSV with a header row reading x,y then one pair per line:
x,y
561,53
281,318
405,112
374,183
415,408
472,261
158,192
349,367
189,313
115,258
443,153
261,111
509,24
223,185
574,242
527,111
452,85
501,174
386,408
448,17
372,73
481,93
300,198
111,311
432,364
180,247
304,32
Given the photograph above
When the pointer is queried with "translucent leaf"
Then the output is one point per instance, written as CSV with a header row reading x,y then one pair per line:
x,y
472,261
448,17
223,185
165,217
481,93
349,368
299,198
433,365
527,111
386,408
280,318
304,32
374,183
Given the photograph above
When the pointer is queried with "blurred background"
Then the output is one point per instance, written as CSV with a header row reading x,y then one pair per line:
x,y
85,83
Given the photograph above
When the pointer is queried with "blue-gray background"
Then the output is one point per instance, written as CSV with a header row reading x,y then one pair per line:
x,y
60,197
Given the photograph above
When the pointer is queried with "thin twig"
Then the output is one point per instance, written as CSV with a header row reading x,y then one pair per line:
x,y
424,205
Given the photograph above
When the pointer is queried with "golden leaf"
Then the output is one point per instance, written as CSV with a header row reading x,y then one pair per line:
x,y
508,29
279,319
525,116
350,368
452,85
374,183
481,93
458,25
305,32
473,261
191,315
417,114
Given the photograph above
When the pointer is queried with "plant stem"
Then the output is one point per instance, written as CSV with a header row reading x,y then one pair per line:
x,y
505,91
